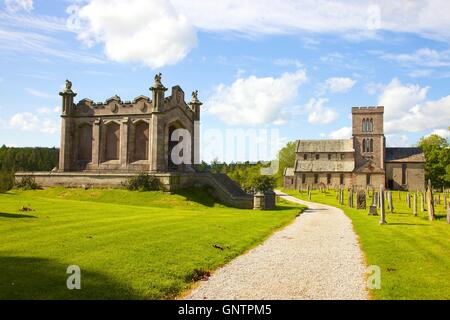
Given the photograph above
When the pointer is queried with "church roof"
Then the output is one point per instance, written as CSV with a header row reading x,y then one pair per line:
x,y
324,166
331,145
410,154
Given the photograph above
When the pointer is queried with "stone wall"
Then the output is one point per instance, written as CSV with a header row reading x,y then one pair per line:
x,y
169,181
415,176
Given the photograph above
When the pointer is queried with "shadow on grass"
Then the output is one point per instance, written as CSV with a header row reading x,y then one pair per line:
x,y
406,224
15,215
38,279
199,195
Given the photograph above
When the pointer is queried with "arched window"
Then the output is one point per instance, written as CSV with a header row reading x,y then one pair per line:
x,y
364,145
371,125
141,141
364,126
371,145
85,142
112,141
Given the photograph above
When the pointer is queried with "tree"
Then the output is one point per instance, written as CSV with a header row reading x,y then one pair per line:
x,y
286,158
437,154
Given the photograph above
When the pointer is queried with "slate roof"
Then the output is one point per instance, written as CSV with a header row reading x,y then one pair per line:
x,y
410,154
343,145
288,172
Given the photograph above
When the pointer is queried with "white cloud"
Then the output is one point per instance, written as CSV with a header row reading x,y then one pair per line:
x,y
45,110
143,31
26,121
445,133
159,32
19,5
407,108
337,84
40,94
285,62
342,133
255,100
420,73
423,57
318,113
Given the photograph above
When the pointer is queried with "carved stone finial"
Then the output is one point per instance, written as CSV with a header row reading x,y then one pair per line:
x,y
158,84
68,89
194,99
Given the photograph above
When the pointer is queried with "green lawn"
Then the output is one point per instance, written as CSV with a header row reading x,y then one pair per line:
x,y
412,252
129,245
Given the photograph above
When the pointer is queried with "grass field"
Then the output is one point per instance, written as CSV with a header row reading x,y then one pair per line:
x,y
412,252
129,245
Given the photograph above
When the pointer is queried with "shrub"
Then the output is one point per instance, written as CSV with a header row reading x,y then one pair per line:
x,y
27,183
142,182
6,181
262,183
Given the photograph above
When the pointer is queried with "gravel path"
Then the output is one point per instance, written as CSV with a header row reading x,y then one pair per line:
x,y
316,257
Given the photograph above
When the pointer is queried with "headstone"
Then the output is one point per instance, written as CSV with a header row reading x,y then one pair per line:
x,y
408,200
375,199
430,201
373,210
360,200
422,202
350,198
390,203
448,214
415,204
445,200
382,213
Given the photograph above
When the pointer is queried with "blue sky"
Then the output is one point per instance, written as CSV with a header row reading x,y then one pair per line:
x,y
294,67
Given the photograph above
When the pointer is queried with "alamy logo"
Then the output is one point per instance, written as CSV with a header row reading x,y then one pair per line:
x,y
74,280
374,277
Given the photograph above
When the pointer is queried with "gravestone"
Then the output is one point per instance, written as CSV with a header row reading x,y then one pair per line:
x,y
375,199
422,202
430,201
373,210
399,195
258,201
269,200
448,214
390,203
350,198
415,204
445,200
408,200
360,200
382,213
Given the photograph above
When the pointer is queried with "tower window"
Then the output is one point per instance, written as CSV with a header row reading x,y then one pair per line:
x,y
317,156
305,157
371,145
371,125
328,178
342,156
368,179
316,178
329,156
341,179
303,178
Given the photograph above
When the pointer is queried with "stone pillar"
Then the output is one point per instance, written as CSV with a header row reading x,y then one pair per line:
x,y
430,201
124,143
96,142
382,213
157,139
66,146
195,107
415,204
258,201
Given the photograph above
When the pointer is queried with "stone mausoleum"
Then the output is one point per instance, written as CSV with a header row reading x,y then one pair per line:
x,y
364,160
105,143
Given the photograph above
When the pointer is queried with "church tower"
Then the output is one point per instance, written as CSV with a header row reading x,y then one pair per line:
x,y
369,144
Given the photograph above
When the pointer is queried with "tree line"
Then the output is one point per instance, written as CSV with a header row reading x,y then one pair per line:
x,y
246,174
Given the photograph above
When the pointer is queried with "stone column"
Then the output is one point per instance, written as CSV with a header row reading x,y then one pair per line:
x,y
382,213
157,139
96,142
124,143
65,151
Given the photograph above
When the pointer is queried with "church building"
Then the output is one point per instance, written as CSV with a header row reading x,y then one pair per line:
x,y
363,160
